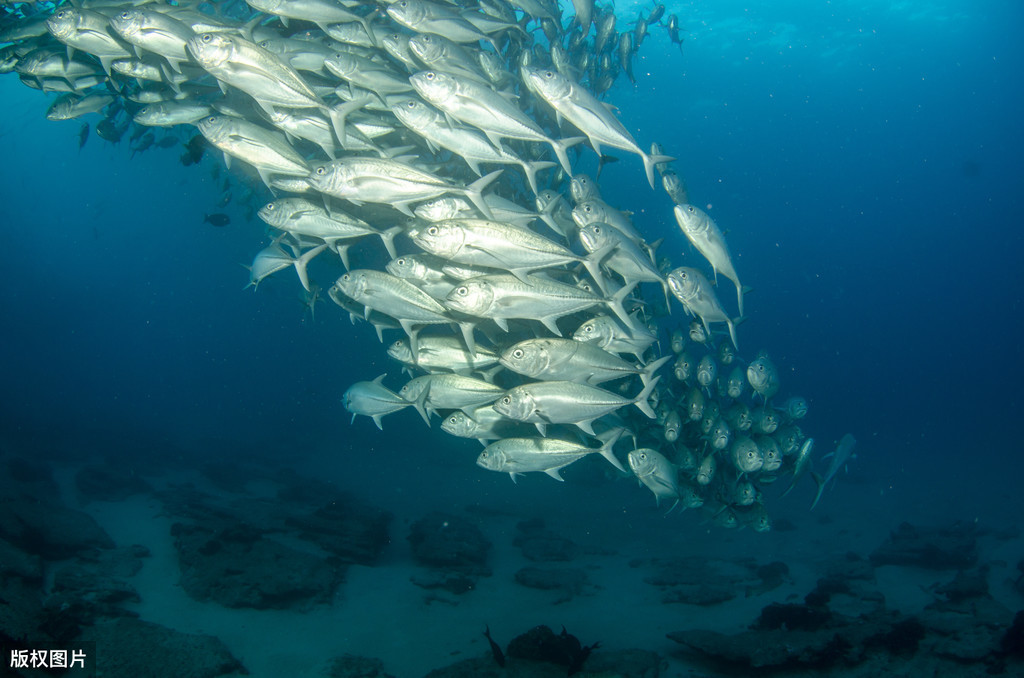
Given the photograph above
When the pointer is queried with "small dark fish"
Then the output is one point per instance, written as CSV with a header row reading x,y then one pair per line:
x,y
499,656
656,14
673,31
83,135
144,143
168,142
217,219
194,150
107,129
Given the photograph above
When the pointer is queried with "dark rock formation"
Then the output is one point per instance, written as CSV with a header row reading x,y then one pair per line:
x,y
14,562
944,548
129,648
567,582
48,528
351,666
540,544
455,548
710,581
354,532
109,482
540,644
236,566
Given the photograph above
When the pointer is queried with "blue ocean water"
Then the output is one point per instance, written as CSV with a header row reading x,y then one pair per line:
x,y
864,158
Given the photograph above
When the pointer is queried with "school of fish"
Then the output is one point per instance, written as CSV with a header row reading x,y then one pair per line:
x,y
443,138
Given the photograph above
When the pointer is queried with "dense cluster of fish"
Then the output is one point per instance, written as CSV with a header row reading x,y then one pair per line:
x,y
521,304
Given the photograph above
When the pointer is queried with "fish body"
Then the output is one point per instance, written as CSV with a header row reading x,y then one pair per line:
x,y
553,359
745,455
612,336
546,455
702,231
504,297
372,399
842,454
577,105
656,473
389,182
694,291
567,402
763,377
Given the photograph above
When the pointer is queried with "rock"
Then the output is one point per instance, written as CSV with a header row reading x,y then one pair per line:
x,y
852,567
30,471
903,637
792,617
236,566
355,532
540,644
48,528
542,545
758,649
966,585
625,664
969,645
109,482
17,563
1012,642
568,582
698,594
21,612
129,648
617,664
449,542
351,666
947,548
452,582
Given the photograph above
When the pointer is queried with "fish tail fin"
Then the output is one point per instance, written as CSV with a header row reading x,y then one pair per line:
x,y
561,146
339,115
303,261
475,192
592,262
387,236
531,169
641,399
650,161
615,303
607,452
653,367
821,488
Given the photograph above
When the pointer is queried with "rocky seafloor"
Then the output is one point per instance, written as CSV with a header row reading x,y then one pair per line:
x,y
63,578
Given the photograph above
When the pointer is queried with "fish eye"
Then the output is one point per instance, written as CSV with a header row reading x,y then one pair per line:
x,y
760,368
320,171
506,400
588,209
61,14
597,230
462,291
518,353
400,262
411,104
346,277
548,74
432,230
429,75
124,15
690,209
452,419
207,38
270,207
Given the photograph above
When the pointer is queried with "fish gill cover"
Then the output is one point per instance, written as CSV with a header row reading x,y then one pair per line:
x,y
533,315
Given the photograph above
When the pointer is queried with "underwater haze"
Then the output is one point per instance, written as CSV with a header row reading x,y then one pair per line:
x,y
864,161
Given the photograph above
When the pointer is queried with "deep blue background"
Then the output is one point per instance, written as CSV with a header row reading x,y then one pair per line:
x,y
864,159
